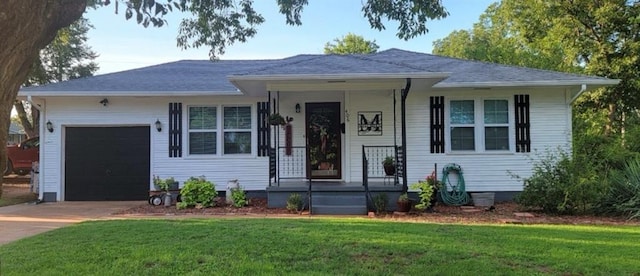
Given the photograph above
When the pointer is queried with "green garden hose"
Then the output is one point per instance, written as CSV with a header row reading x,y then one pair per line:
x,y
453,194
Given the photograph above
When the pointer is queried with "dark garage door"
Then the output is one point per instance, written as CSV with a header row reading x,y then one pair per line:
x,y
107,163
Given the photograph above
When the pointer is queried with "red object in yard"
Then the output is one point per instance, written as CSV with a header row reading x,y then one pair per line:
x,y
288,140
20,157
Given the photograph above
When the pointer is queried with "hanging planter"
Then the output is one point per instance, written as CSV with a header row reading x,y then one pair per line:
x,y
276,119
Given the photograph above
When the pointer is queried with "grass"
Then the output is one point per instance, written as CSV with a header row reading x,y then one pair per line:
x,y
322,246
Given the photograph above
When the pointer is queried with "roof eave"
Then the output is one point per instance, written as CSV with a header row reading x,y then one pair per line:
x,y
590,82
52,93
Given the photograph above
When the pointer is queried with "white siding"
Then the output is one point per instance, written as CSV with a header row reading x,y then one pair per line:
x,y
550,129
250,170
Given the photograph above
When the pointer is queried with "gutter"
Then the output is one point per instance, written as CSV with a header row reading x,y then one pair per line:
x,y
41,154
583,88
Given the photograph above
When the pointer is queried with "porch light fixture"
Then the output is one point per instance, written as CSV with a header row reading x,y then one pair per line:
x,y
158,125
104,102
49,126
297,108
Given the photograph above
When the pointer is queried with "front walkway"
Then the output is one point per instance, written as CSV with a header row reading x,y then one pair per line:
x,y
24,220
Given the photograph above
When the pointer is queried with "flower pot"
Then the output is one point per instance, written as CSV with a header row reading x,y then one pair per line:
x,y
167,199
389,170
174,186
404,205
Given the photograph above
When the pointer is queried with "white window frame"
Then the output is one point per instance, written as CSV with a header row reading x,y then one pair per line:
x,y
189,131
220,131
479,125
239,130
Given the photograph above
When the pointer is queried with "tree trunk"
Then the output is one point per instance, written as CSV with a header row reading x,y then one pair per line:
x,y
29,121
611,118
27,27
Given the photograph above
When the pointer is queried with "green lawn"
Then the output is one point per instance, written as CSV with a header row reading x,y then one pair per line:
x,y
321,246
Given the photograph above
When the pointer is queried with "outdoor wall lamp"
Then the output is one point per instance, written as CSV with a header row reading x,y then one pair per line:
x,y
49,126
158,125
297,108
104,102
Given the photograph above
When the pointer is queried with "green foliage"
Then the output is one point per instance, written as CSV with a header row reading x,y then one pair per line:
x,y
388,161
351,44
239,197
560,184
197,191
163,184
404,197
328,246
68,56
623,195
294,202
425,192
222,23
380,202
583,36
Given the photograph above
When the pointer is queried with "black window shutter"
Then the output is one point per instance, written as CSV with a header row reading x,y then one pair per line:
x,y
523,138
175,129
437,124
263,129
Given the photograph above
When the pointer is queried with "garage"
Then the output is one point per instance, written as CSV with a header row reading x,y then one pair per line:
x,y
106,163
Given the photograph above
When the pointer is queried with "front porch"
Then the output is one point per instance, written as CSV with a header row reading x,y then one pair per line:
x,y
332,197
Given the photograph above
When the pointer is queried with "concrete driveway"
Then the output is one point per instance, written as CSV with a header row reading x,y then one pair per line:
x,y
24,220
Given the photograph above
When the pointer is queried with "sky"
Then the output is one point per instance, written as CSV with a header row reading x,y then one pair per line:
x,y
123,44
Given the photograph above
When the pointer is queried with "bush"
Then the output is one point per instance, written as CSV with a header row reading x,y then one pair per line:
x,y
425,192
380,202
197,191
294,203
239,197
623,195
561,185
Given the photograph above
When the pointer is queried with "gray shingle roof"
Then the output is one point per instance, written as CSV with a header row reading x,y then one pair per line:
x,y
467,71
205,76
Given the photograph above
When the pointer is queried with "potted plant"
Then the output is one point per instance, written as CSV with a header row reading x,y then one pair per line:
x,y
389,165
164,185
276,119
404,203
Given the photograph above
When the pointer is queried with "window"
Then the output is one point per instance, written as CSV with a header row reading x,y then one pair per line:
x,y
202,130
496,125
462,125
237,130
479,125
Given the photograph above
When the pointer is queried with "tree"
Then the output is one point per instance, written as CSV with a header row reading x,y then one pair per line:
x,y
592,37
66,57
30,25
351,44
583,36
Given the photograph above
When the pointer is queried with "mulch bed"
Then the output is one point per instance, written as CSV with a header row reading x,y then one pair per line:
x,y
502,213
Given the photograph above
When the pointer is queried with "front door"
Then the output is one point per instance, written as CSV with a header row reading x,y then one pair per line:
x,y
324,135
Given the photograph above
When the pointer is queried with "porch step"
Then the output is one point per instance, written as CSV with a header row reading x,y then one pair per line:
x,y
339,204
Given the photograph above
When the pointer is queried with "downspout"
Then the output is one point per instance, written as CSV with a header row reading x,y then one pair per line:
x,y
41,153
403,110
583,88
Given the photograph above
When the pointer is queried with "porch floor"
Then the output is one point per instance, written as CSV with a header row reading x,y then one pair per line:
x,y
332,186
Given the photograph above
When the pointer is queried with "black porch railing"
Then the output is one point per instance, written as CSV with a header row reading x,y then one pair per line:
x,y
375,155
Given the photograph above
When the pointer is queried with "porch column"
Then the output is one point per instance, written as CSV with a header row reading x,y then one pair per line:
x,y
403,112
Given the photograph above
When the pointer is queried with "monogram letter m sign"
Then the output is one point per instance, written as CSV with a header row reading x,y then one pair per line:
x,y
370,123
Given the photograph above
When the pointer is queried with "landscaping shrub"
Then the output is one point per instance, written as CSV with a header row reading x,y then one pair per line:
x,y
380,202
425,191
294,203
197,191
623,194
561,185
239,197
